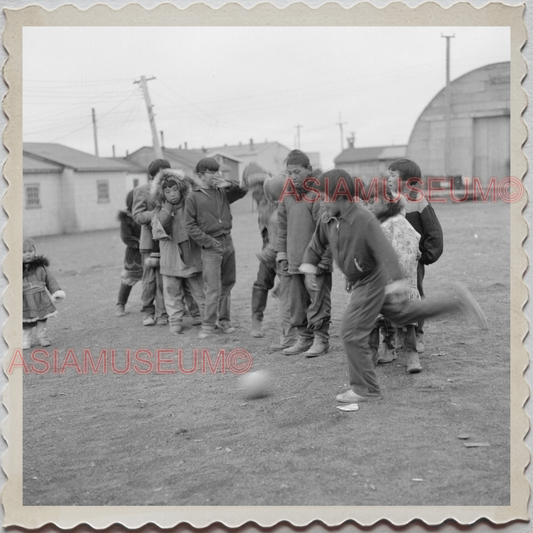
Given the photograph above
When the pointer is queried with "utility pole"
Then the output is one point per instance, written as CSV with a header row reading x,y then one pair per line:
x,y
162,139
95,134
447,140
151,118
298,126
340,123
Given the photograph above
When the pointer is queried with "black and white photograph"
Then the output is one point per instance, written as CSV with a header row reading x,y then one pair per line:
x,y
267,263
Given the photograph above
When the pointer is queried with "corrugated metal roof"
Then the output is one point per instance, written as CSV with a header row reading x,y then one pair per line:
x,y
244,149
393,152
70,157
370,153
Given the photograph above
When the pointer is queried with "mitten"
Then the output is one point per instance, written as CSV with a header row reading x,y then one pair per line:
x,y
153,260
58,295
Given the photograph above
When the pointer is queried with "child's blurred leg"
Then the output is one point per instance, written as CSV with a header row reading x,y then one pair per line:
x,y
299,302
211,261
190,304
319,316
358,322
275,289
228,277
420,273
266,275
195,286
148,291
373,342
26,335
161,315
174,302
41,333
123,295
288,336
387,350
408,334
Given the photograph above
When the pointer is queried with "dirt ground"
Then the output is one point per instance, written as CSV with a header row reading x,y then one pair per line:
x,y
177,439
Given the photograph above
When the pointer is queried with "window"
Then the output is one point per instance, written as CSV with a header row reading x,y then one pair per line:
x,y
33,197
102,188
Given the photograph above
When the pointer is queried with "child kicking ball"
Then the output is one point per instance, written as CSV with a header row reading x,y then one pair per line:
x,y
369,263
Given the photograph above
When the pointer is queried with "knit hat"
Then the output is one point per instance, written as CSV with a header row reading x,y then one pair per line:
x,y
273,187
254,174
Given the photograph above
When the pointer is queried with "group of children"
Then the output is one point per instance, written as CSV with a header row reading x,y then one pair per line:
x,y
179,245
188,256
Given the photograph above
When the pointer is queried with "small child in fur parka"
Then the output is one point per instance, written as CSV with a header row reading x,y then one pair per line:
x,y
181,260
40,291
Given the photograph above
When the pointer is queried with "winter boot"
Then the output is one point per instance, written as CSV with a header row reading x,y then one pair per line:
x,y
26,339
175,328
43,339
257,329
302,345
420,342
386,354
320,347
413,363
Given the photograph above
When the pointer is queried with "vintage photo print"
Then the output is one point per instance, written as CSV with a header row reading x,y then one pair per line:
x,y
272,265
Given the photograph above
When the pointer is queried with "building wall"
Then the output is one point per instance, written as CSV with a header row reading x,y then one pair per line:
x,y
45,219
69,202
135,178
90,213
270,157
480,94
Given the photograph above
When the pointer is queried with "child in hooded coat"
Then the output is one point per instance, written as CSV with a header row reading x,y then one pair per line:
x,y
40,291
181,261
130,233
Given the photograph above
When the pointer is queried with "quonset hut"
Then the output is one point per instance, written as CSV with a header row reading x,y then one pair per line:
x,y
479,127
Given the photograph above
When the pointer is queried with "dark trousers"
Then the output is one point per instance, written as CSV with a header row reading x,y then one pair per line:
x,y
124,293
219,278
420,273
266,276
152,290
311,313
366,302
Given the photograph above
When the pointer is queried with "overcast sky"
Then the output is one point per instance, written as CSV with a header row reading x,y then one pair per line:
x,y
220,85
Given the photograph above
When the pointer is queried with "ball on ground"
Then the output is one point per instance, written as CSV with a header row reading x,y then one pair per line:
x,y
256,384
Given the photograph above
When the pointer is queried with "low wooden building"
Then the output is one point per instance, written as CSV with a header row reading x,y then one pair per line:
x,y
68,191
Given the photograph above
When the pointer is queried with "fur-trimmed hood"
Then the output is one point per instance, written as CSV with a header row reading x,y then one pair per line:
x,y
39,261
162,177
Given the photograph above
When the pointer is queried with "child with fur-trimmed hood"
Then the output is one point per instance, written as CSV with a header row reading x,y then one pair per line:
x,y
40,291
181,261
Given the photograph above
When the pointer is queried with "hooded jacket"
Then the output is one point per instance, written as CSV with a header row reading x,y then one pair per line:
x,y
180,255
